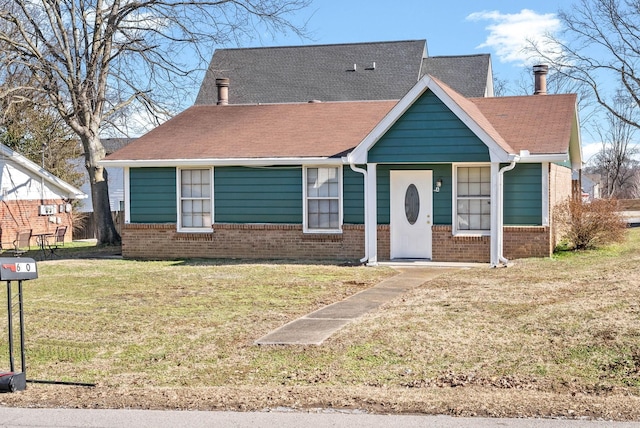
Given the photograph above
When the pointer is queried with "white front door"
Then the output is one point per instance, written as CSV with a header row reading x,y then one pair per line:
x,y
411,212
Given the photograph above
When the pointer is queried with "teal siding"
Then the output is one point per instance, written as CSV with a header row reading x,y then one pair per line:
x,y
353,196
153,195
258,195
441,200
523,195
428,132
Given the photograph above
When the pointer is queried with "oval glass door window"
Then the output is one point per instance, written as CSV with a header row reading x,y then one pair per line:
x,y
412,204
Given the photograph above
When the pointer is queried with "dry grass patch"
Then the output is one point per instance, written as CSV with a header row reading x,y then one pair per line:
x,y
167,323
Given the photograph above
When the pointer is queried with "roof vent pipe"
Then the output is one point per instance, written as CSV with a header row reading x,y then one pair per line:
x,y
540,73
222,84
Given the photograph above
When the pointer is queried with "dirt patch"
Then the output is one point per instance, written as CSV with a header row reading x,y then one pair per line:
x,y
455,401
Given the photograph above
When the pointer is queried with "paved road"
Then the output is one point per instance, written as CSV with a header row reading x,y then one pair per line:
x,y
58,418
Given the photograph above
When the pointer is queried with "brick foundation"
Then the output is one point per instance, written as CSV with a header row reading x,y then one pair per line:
x,y
246,241
519,242
23,215
287,241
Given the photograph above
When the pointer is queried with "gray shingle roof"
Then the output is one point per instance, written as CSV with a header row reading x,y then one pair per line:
x,y
341,72
113,144
466,74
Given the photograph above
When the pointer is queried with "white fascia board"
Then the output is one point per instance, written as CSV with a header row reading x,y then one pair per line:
x,y
360,153
221,162
543,158
71,191
575,144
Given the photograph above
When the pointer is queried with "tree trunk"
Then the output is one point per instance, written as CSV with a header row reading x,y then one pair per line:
x,y
106,232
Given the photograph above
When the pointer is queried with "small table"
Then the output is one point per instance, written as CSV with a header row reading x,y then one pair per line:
x,y
41,240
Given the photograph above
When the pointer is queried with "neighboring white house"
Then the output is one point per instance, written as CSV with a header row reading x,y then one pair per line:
x,y
32,198
591,185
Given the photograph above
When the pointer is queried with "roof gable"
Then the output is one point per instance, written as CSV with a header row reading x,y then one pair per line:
x,y
464,109
428,132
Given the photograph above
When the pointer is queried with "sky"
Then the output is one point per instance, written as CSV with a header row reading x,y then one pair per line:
x,y
455,27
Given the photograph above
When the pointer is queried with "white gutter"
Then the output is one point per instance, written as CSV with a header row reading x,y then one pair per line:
x,y
222,162
525,157
366,211
500,228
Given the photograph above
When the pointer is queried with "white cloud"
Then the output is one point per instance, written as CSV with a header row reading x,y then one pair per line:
x,y
589,150
511,34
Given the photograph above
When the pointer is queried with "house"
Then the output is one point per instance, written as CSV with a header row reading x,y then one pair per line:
x,y
115,178
433,174
32,198
591,186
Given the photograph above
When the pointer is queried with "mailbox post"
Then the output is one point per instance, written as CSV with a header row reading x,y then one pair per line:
x,y
15,269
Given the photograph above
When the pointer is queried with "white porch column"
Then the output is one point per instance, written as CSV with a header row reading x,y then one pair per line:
x,y
545,194
371,214
127,201
496,215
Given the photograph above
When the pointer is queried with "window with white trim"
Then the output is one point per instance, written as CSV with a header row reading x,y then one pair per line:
x,y
322,194
473,199
195,200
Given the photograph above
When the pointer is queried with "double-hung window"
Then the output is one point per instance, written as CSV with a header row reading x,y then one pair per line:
x,y
473,200
322,199
195,207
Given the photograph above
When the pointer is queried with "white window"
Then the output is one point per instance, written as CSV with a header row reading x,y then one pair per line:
x,y
195,200
473,200
322,199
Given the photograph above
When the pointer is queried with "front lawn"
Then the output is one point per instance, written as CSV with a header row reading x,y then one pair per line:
x,y
545,337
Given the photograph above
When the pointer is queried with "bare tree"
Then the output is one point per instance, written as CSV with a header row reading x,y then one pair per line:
x,y
615,161
93,61
37,132
600,48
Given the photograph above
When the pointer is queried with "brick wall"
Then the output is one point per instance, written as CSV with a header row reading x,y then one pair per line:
x,y
527,241
519,242
449,248
253,241
286,241
23,215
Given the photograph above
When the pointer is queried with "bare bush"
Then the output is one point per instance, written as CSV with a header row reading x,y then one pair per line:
x,y
588,225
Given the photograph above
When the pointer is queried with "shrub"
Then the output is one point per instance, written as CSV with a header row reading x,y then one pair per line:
x,y
587,225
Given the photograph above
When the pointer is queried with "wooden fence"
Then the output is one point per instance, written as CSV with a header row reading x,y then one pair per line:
x,y
88,229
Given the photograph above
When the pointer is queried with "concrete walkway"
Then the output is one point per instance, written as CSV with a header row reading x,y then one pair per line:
x,y
316,327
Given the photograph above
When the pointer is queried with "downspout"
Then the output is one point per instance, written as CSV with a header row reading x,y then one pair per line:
x,y
366,215
500,230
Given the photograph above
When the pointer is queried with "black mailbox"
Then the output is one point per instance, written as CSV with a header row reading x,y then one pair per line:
x,y
17,268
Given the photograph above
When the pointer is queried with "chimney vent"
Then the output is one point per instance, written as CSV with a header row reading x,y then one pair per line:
x,y
540,73
222,84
